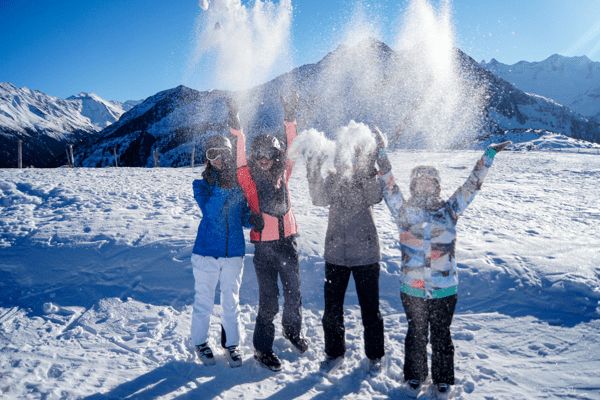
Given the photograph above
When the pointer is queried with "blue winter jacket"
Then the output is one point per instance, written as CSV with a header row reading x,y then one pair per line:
x,y
224,214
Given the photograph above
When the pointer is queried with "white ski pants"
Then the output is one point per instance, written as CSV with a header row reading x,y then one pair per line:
x,y
207,272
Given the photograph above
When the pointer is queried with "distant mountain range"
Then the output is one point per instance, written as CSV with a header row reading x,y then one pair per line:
x,y
368,83
571,81
47,124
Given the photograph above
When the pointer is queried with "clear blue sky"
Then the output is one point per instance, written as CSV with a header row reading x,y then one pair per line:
x,y
132,49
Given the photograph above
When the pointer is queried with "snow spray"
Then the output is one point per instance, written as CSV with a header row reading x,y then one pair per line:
x,y
341,153
241,47
417,94
445,102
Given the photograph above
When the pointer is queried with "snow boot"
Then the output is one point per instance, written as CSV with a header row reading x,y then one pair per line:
x,y
444,391
235,357
330,365
268,360
414,387
443,387
205,354
375,367
298,341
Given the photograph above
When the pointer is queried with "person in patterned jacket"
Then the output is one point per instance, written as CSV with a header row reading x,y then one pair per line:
x,y
429,278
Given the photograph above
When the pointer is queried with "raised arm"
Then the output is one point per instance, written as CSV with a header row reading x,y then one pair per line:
x,y
316,183
243,171
236,129
391,192
289,120
465,194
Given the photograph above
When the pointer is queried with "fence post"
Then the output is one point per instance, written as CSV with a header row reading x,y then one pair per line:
x,y
20,155
116,162
193,151
155,156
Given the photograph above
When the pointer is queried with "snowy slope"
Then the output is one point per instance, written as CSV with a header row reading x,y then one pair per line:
x,y
97,287
368,83
100,112
571,81
47,124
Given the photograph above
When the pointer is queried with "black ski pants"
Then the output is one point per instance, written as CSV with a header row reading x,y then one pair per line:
x,y
366,278
271,260
424,316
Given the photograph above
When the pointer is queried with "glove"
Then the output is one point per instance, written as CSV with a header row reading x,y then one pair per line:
x,y
494,148
289,107
257,221
234,119
380,138
501,146
382,159
314,167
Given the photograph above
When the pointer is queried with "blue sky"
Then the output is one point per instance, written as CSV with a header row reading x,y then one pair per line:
x,y
131,49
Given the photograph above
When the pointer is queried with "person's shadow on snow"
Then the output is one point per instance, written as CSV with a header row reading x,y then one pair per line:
x,y
210,382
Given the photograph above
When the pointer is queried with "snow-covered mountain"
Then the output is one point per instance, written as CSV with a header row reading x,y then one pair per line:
x,y
100,112
571,81
368,83
47,124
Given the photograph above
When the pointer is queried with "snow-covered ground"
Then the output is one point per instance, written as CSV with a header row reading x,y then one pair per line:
x,y
97,287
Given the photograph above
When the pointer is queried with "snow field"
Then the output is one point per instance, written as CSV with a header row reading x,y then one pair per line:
x,y
97,287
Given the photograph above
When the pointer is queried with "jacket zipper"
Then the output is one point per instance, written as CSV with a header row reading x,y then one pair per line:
x,y
227,230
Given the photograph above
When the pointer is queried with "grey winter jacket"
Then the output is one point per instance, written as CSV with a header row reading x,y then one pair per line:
x,y
351,238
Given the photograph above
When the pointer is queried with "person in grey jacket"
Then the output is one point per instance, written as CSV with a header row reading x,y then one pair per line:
x,y
351,247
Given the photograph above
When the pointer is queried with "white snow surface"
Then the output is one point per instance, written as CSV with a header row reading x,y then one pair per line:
x,y
97,287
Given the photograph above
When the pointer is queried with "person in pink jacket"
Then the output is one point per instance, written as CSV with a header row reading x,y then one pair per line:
x,y
264,179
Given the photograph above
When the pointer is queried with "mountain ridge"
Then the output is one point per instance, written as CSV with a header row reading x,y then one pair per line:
x,y
47,125
579,78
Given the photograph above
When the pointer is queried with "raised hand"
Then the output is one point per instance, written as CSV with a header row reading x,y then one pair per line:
x,y
380,138
289,106
234,119
314,165
500,146
382,159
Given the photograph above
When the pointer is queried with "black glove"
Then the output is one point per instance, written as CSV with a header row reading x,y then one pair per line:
x,y
382,160
289,107
501,146
314,167
234,119
257,221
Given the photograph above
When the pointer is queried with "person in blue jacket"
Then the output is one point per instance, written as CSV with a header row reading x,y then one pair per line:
x,y
219,250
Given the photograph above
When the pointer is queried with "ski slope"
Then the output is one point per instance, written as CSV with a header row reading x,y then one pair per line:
x,y
97,287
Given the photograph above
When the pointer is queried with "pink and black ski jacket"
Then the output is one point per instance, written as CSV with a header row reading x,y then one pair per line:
x,y
276,227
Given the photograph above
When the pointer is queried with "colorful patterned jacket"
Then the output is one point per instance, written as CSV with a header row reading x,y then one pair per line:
x,y
259,196
428,238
